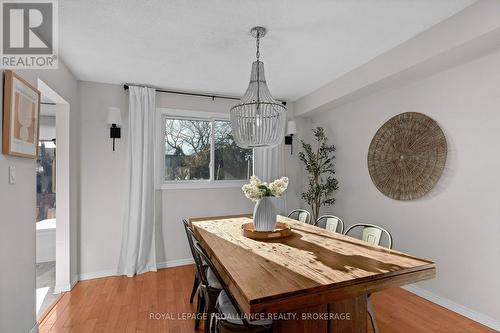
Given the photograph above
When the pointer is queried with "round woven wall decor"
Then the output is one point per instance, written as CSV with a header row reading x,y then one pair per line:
x,y
407,156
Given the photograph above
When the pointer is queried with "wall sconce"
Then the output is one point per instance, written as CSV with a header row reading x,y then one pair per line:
x,y
114,120
291,129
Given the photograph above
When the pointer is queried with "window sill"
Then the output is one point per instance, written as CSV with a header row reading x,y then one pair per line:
x,y
193,185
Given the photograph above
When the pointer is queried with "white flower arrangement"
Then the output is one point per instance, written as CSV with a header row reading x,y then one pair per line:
x,y
257,189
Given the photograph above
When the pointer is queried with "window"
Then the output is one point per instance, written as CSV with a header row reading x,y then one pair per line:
x,y
231,161
187,149
200,149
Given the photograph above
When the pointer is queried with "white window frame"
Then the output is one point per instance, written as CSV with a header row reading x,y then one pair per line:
x,y
162,114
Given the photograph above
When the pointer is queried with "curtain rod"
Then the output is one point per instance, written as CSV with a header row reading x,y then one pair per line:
x,y
213,97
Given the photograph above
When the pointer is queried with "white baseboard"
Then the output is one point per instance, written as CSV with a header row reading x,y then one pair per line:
x,y
34,329
74,281
66,287
175,263
455,307
62,288
97,275
111,272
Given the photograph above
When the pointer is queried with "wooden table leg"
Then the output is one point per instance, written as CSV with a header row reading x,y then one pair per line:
x,y
346,316
302,321
356,309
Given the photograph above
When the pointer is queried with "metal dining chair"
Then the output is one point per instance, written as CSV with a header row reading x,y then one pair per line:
x,y
205,281
230,318
330,222
371,234
196,277
301,215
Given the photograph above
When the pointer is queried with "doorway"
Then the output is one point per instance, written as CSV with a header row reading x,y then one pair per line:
x,y
53,201
46,208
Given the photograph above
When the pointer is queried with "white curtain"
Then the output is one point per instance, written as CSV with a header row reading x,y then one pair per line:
x,y
138,253
268,166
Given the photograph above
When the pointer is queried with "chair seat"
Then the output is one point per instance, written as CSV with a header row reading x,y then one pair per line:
x,y
231,315
213,282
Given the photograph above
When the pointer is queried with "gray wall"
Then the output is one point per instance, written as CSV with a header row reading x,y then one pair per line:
x,y
17,206
102,178
457,224
17,280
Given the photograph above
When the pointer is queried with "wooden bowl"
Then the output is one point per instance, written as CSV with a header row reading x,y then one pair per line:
x,y
282,230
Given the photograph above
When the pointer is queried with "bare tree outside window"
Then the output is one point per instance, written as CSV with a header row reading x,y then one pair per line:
x,y
231,161
188,148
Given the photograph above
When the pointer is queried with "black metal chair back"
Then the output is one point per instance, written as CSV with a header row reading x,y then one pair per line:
x,y
190,241
197,260
202,254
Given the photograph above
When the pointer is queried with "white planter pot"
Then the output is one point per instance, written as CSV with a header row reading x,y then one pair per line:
x,y
264,215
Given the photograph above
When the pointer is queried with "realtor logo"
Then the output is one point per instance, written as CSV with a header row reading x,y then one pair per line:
x,y
29,36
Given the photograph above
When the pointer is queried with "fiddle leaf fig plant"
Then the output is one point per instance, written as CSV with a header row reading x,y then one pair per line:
x,y
318,163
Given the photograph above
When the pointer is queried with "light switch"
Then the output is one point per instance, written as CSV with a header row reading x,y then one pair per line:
x,y
12,174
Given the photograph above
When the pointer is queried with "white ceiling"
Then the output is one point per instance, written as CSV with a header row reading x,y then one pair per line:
x,y
205,46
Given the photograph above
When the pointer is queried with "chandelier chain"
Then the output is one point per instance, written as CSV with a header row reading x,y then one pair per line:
x,y
258,71
257,54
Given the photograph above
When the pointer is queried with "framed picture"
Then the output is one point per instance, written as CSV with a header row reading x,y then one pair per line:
x,y
21,109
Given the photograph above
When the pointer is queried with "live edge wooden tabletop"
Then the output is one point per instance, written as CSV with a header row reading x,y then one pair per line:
x,y
307,271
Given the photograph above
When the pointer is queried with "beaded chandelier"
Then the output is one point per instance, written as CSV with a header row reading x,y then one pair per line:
x,y
258,120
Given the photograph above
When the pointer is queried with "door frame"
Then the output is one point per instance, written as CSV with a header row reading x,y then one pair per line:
x,y
63,226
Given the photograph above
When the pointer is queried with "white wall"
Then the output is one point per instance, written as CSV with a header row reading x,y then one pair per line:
x,y
17,244
102,177
179,204
103,174
294,169
17,207
457,225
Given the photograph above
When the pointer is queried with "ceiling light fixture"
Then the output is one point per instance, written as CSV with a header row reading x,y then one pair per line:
x,y
258,120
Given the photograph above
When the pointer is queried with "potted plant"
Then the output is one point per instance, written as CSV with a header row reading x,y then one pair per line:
x,y
264,213
319,165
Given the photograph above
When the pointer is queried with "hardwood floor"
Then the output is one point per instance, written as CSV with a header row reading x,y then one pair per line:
x,y
121,304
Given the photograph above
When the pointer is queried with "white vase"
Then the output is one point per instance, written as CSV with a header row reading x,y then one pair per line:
x,y
264,215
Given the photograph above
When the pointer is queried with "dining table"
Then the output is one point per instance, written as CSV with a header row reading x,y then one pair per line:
x,y
314,280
